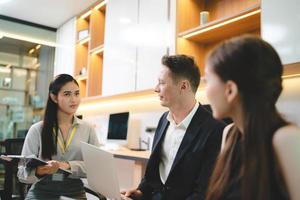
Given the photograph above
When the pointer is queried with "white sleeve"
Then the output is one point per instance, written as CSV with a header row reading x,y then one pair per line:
x,y
31,147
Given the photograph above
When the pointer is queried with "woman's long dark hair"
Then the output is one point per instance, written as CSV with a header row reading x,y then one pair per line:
x,y
256,68
49,140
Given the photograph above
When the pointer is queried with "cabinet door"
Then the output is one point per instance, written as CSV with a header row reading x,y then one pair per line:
x,y
280,27
152,41
119,67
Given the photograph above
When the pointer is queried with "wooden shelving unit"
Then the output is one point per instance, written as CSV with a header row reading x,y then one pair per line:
x,y
226,19
90,49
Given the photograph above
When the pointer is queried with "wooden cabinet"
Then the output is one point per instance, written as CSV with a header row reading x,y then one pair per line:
x,y
227,18
90,27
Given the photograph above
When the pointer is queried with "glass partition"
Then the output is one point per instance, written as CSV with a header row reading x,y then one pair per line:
x,y
25,72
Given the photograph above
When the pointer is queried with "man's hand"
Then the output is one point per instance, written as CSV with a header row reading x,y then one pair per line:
x,y
51,168
133,193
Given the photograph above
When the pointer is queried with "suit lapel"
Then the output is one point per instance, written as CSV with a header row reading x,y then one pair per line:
x,y
191,132
160,133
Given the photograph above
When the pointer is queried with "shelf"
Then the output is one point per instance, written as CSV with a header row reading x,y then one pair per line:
x,y
82,88
81,59
291,70
98,50
95,74
84,41
81,77
246,21
86,15
101,6
89,51
97,25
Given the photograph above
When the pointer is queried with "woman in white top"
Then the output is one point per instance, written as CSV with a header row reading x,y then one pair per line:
x,y
56,140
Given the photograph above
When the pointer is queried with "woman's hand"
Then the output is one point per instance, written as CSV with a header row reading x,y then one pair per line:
x,y
51,168
64,165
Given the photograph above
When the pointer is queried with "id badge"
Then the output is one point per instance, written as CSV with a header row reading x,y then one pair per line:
x,y
57,177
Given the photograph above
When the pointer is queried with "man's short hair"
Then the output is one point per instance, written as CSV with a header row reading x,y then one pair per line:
x,y
183,66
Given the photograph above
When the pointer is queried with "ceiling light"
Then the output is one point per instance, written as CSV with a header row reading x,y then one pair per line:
x,y
38,47
28,39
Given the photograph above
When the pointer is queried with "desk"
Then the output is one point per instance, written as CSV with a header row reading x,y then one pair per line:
x,y
140,159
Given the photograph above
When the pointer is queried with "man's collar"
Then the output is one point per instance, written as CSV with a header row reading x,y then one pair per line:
x,y
186,121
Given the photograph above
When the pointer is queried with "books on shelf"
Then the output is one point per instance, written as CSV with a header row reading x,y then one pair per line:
x,y
31,162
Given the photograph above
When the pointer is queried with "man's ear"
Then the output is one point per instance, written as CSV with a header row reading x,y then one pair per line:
x,y
231,91
184,85
53,97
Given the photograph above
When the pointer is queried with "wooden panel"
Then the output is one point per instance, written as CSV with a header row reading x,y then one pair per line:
x,y
82,88
192,49
228,18
219,9
97,28
292,69
81,24
245,22
188,11
81,58
188,14
95,75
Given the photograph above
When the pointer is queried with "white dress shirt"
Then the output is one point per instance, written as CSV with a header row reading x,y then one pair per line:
x,y
172,141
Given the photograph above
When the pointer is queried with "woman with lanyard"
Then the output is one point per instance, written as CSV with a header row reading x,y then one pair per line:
x,y
56,140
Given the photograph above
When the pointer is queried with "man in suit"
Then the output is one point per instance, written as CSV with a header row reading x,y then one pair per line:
x,y
187,139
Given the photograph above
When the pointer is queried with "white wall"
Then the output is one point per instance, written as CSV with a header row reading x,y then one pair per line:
x,y
65,50
281,27
289,101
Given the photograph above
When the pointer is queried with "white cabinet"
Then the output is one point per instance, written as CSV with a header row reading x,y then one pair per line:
x,y
138,33
281,27
65,50
119,63
153,41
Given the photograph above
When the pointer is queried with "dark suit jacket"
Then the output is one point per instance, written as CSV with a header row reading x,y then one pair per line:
x,y
193,164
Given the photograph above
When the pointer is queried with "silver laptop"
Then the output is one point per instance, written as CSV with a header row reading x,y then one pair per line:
x,y
101,171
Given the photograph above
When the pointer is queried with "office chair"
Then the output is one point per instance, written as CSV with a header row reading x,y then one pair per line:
x,y
96,194
12,147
